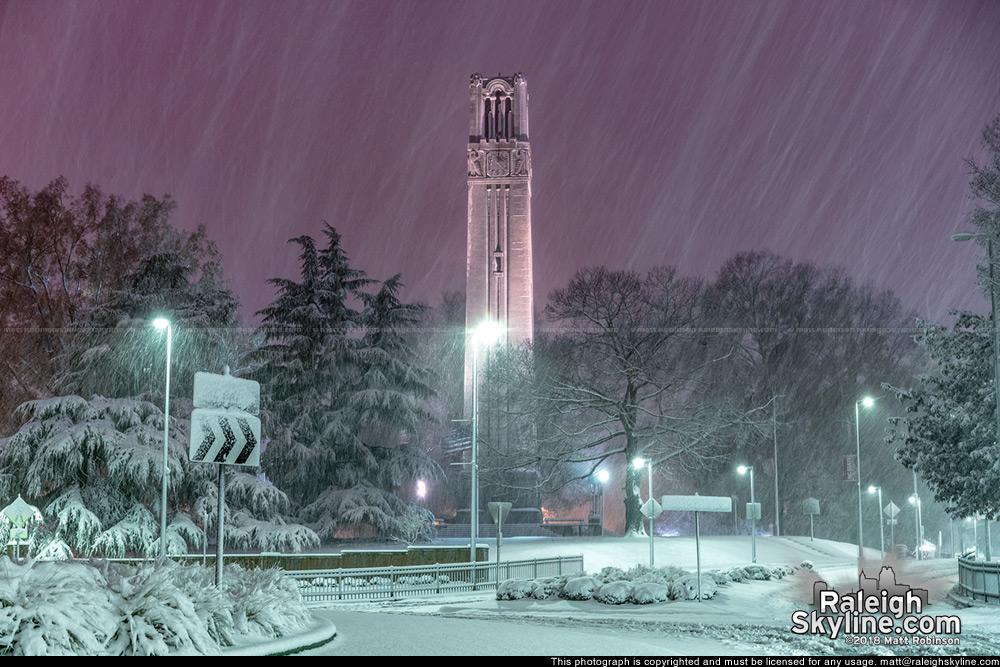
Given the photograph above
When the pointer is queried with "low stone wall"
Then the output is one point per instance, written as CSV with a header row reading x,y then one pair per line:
x,y
350,558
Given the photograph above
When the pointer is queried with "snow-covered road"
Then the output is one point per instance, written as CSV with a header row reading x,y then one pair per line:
x,y
743,619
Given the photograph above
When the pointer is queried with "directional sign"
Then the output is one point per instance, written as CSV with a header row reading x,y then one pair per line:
x,y
891,510
499,512
224,436
698,503
651,509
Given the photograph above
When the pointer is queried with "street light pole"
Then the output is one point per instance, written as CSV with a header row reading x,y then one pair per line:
x,y
868,402
881,523
638,463
487,332
777,507
162,323
753,514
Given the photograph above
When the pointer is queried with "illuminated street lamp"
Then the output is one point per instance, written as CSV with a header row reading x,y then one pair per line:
x,y
867,401
753,514
487,334
161,324
881,526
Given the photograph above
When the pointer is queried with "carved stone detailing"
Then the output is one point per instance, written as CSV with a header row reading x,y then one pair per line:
x,y
475,80
520,162
476,163
497,164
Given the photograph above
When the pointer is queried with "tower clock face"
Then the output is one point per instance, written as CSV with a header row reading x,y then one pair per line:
x,y
497,164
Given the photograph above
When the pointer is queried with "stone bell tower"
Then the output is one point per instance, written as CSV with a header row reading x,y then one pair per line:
x,y
499,277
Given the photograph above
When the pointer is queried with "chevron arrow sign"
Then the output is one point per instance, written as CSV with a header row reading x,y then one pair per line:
x,y
224,436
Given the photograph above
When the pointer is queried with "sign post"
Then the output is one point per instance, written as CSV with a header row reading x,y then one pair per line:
x,y
499,512
651,509
697,504
891,511
224,430
810,506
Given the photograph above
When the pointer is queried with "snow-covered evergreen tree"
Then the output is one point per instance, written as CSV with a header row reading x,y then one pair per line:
x,y
347,398
949,436
93,467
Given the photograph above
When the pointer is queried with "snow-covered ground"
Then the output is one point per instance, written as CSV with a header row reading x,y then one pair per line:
x,y
753,618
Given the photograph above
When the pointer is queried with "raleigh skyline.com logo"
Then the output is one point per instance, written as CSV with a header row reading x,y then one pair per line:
x,y
880,612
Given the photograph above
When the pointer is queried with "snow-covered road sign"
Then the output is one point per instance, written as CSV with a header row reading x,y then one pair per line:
x,y
225,392
698,503
223,426
753,511
224,436
891,510
651,509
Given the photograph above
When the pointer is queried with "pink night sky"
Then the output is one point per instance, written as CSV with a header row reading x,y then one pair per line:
x,y
668,132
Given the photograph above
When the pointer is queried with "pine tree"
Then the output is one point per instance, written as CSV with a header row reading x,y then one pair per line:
x,y
347,399
949,434
94,468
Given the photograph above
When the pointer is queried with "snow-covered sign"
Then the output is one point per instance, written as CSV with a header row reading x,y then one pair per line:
x,y
891,510
810,506
20,514
499,511
224,436
225,392
651,509
223,426
698,503
753,511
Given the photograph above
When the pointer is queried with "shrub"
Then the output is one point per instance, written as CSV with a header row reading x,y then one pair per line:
x,y
580,588
686,588
73,608
614,592
514,589
649,592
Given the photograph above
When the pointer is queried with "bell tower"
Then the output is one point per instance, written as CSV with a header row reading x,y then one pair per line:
x,y
498,268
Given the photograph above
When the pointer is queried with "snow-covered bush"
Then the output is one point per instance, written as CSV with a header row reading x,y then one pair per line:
x,y
265,603
721,577
758,572
649,592
610,573
73,608
614,592
514,589
549,587
581,588
661,575
54,608
807,564
737,574
686,588
156,616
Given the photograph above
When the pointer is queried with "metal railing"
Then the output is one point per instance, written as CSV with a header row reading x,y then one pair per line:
x,y
375,583
980,579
